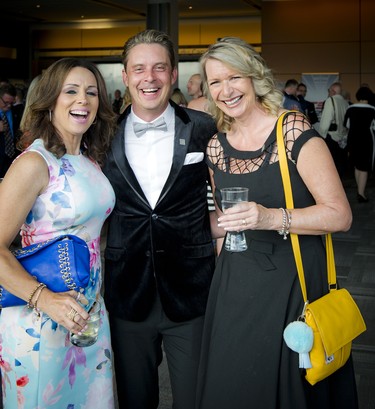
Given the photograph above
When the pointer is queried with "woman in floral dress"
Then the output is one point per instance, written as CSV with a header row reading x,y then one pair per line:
x,y
56,187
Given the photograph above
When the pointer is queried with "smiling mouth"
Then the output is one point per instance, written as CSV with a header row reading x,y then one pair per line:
x,y
79,114
149,91
232,101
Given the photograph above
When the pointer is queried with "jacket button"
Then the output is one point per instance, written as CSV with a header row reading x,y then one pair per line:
x,y
155,216
148,253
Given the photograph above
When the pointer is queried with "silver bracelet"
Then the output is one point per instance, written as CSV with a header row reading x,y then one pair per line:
x,y
287,221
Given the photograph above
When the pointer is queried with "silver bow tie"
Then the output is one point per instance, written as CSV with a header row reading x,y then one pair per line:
x,y
141,128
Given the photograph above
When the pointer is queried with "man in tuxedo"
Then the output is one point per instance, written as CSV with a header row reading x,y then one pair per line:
x,y
9,124
159,258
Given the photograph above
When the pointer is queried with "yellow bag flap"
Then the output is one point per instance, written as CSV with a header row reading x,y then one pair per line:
x,y
337,318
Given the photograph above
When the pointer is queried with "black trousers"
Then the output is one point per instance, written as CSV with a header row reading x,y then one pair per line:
x,y
339,155
137,349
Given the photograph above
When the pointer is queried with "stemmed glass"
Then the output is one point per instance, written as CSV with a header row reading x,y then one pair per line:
x,y
231,196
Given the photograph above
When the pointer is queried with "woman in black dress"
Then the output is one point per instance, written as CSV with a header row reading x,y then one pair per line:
x,y
360,120
245,364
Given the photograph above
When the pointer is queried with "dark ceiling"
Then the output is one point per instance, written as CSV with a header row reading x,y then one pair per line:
x,y
67,11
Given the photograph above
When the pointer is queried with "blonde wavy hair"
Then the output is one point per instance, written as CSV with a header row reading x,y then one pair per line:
x,y
241,57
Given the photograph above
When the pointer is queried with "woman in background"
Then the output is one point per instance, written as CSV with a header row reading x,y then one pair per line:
x,y
178,97
360,120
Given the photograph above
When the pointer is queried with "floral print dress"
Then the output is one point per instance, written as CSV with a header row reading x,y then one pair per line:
x,y
40,367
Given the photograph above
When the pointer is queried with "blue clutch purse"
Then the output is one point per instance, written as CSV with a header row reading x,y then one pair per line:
x,y
61,263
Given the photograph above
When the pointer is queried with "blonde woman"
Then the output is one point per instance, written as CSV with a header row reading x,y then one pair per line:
x,y
256,293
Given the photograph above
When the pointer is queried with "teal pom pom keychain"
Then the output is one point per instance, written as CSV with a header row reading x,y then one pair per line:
x,y
300,338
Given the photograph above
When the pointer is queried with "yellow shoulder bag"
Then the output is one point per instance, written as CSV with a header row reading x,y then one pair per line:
x,y
335,318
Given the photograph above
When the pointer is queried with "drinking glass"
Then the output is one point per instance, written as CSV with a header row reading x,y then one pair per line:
x,y
90,335
230,196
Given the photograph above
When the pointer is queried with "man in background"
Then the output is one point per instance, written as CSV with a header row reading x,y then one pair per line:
x,y
332,126
194,86
9,124
308,107
117,102
290,96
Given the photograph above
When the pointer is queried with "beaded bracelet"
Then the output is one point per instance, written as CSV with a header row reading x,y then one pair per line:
x,y
29,301
283,227
36,309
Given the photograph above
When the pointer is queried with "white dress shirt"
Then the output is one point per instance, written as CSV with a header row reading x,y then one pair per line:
x,y
150,155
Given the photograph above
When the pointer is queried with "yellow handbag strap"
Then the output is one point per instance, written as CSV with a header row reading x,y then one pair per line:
x,y
331,269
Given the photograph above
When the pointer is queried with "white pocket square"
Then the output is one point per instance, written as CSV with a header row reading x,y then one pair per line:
x,y
193,157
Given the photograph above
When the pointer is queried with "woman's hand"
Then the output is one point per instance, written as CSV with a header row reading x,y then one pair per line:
x,y
252,216
65,309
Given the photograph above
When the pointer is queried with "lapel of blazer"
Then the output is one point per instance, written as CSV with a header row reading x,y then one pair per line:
x,y
118,151
183,126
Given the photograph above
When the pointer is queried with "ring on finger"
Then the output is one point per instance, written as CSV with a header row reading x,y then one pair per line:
x,y
71,314
75,314
78,296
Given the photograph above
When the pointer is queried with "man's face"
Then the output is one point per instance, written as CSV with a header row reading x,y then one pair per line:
x,y
194,86
149,76
301,90
6,102
293,90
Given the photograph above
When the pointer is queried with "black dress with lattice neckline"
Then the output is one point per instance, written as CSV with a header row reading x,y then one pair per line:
x,y
245,363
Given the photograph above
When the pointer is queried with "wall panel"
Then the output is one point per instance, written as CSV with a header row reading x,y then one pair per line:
x,y
321,36
112,37
310,21
314,57
367,20
368,58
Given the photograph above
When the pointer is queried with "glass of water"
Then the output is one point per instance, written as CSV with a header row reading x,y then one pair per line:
x,y
230,196
90,335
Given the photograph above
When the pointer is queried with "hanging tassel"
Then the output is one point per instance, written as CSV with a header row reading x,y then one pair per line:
x,y
304,360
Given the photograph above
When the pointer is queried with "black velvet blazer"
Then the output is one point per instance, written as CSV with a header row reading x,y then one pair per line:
x,y
166,249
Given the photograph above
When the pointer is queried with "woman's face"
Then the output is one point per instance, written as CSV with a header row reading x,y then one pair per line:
x,y
77,104
232,92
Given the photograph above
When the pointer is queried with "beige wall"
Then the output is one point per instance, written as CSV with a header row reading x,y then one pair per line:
x,y
209,31
321,36
191,33
296,37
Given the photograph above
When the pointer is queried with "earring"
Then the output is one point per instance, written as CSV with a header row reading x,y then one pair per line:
x,y
50,115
